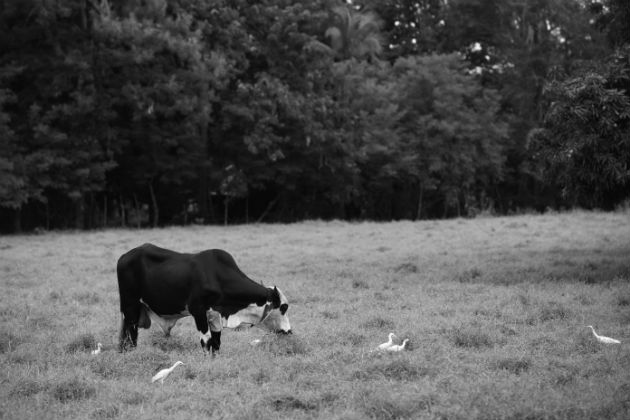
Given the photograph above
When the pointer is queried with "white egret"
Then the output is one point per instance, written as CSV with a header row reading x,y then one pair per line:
x,y
161,375
99,348
400,347
388,344
603,339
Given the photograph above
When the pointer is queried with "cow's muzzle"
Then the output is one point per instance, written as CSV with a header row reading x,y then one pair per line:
x,y
285,332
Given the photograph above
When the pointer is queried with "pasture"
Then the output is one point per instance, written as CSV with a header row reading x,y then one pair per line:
x,y
495,309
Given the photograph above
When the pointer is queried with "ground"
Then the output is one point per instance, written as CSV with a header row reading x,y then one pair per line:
x,y
495,309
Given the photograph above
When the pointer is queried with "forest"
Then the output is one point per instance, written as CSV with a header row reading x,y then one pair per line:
x,y
160,112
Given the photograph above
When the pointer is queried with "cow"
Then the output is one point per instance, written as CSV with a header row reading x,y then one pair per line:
x,y
163,286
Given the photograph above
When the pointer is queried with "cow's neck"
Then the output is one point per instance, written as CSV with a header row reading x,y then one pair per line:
x,y
254,292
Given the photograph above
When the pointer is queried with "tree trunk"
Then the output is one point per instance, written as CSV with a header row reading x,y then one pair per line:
x,y
105,211
17,220
420,194
79,207
226,203
269,207
136,206
202,194
122,212
47,215
154,204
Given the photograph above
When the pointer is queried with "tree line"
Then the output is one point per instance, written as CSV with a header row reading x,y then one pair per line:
x,y
153,112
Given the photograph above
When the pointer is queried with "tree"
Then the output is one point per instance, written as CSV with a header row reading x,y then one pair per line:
x,y
584,142
452,125
351,34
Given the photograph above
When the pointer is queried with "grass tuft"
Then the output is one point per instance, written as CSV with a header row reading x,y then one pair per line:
x,y
290,402
107,366
87,298
623,300
81,343
283,345
384,404
472,338
513,365
330,315
26,387
168,344
585,343
398,369
72,390
8,342
468,275
260,377
407,268
132,397
109,411
359,284
378,322
553,311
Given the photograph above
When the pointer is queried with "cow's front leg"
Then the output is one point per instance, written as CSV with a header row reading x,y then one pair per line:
x,y
214,322
199,315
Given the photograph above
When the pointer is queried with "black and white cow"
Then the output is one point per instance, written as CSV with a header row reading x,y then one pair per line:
x,y
164,286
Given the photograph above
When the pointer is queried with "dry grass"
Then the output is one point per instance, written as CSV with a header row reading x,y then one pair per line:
x,y
495,309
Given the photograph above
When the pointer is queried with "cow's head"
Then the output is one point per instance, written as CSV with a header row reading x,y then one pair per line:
x,y
271,316
276,318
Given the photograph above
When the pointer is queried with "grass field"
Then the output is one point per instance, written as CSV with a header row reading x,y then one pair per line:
x,y
495,309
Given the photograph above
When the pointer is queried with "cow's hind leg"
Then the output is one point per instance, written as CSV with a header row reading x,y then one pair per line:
x,y
129,327
133,314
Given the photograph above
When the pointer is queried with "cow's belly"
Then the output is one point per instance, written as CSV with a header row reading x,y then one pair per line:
x,y
165,321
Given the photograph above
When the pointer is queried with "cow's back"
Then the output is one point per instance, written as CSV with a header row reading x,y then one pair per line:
x,y
133,269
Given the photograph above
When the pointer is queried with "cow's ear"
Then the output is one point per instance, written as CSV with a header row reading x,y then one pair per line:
x,y
275,298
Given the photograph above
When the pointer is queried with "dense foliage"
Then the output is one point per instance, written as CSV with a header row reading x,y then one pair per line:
x,y
173,111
